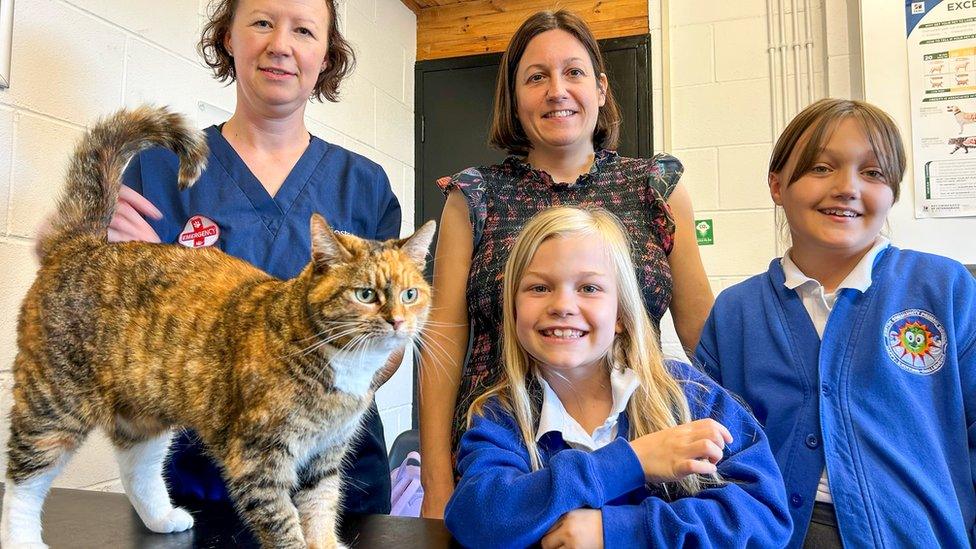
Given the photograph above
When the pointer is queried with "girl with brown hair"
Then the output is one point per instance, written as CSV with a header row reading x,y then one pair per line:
x,y
859,358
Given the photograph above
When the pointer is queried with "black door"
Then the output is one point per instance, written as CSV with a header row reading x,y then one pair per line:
x,y
453,110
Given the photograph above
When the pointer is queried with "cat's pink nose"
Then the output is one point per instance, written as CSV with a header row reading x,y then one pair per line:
x,y
397,322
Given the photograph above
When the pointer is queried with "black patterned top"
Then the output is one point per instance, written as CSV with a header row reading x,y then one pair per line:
x,y
503,197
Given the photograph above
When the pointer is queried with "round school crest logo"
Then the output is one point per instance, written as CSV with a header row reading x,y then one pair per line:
x,y
199,232
915,341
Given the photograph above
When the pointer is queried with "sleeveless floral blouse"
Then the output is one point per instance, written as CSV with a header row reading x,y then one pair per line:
x,y
502,198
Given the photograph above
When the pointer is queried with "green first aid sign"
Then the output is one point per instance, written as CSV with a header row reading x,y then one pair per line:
x,y
704,230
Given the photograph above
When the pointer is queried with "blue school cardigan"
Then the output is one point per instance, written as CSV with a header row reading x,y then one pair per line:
x,y
887,401
501,502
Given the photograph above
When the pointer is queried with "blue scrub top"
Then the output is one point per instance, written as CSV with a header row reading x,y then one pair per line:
x,y
350,191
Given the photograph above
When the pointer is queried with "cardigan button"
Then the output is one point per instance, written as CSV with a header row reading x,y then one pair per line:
x,y
825,390
812,441
796,500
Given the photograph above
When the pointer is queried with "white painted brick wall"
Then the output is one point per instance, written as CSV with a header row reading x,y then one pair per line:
x,y
701,176
692,55
689,12
6,155
740,49
838,48
721,124
720,114
75,60
41,151
742,172
744,242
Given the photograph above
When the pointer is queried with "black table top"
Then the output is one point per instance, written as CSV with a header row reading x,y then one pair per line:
x,y
80,519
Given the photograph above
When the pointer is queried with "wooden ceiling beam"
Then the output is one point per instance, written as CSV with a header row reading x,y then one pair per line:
x,y
413,6
485,26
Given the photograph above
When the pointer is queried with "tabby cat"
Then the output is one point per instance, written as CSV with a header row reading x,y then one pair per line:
x,y
140,338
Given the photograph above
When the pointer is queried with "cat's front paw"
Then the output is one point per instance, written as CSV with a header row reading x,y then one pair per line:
x,y
177,520
29,545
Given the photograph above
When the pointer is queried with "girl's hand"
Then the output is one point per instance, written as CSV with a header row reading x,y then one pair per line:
x,y
128,223
582,528
672,454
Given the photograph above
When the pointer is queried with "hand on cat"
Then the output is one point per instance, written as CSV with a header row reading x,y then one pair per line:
x,y
576,529
386,372
128,223
672,454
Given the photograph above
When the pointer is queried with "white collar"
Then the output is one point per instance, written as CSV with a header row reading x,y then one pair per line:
x,y
858,279
554,417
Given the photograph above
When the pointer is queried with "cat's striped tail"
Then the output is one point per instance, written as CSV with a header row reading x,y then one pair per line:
x,y
88,200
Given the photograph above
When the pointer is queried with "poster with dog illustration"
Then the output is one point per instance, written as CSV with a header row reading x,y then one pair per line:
x,y
942,79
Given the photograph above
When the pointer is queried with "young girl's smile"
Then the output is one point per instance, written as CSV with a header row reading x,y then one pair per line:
x,y
566,305
840,204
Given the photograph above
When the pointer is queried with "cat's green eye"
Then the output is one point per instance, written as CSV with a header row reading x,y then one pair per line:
x,y
366,295
409,295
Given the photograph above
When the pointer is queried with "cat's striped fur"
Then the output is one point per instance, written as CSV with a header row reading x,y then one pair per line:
x,y
138,339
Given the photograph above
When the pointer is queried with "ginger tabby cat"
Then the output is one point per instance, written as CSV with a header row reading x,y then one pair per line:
x,y
139,339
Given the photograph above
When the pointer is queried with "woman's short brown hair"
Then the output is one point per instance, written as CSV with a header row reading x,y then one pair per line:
x,y
818,122
506,131
340,57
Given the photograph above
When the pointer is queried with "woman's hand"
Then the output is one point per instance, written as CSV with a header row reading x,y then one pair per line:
x,y
582,528
692,298
672,454
442,352
128,223
436,495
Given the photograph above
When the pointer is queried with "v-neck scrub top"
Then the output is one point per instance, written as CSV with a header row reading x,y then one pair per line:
x,y
272,233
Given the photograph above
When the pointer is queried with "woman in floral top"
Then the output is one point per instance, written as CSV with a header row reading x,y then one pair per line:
x,y
555,114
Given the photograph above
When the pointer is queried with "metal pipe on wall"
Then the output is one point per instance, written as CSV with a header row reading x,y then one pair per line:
x,y
808,46
775,114
784,78
802,82
795,46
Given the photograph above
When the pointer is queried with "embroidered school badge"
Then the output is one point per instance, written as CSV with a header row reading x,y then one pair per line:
x,y
199,232
915,341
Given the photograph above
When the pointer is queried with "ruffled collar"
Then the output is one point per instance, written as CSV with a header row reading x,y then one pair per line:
x,y
601,159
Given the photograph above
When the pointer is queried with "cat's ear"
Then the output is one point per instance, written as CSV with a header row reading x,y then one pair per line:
x,y
326,248
417,246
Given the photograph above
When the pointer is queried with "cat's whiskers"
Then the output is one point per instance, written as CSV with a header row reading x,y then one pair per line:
x,y
324,341
425,343
334,324
442,324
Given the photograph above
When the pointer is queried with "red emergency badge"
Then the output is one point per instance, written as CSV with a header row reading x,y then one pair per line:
x,y
199,232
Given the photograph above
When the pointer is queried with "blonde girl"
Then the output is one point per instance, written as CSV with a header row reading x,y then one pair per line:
x,y
859,358
591,437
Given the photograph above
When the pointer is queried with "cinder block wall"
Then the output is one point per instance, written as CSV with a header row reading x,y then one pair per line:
x,y
75,60
721,125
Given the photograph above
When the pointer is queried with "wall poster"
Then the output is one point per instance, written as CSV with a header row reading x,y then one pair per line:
x,y
942,79
6,35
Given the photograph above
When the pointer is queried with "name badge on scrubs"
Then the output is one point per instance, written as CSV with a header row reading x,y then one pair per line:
x,y
199,232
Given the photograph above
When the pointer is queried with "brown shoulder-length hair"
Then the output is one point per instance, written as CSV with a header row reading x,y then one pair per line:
x,y
819,120
506,131
340,57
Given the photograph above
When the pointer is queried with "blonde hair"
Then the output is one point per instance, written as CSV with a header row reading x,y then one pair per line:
x,y
659,403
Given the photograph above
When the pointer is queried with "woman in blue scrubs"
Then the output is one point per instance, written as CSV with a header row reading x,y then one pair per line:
x,y
265,177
